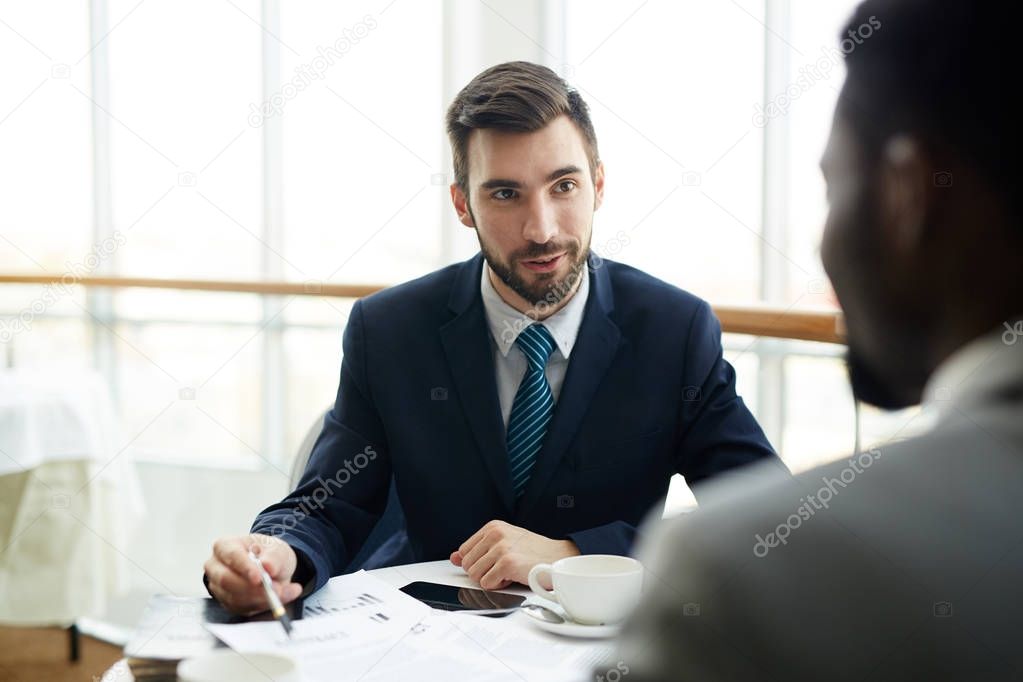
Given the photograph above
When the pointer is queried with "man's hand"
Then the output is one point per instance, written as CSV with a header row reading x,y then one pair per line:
x,y
499,554
234,577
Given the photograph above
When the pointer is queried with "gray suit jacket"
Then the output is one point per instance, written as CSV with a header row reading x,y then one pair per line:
x,y
904,562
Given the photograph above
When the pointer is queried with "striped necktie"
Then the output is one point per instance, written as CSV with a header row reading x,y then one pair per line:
x,y
533,406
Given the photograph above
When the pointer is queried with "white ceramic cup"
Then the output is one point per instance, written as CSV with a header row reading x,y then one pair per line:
x,y
225,665
594,589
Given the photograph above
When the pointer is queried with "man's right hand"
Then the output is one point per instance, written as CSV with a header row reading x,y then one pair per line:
x,y
234,577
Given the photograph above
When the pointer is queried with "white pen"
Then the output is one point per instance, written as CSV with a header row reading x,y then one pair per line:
x,y
276,607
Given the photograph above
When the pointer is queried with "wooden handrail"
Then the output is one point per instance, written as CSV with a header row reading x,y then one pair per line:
x,y
804,325
827,326
311,288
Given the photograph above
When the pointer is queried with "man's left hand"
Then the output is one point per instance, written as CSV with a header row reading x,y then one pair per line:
x,y
499,554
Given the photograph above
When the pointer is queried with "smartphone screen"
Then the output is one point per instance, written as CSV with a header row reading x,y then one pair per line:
x,y
452,598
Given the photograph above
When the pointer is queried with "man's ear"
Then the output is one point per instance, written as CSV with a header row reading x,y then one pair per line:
x,y
906,179
598,185
461,204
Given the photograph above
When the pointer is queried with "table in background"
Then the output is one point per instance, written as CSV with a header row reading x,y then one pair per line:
x,y
68,502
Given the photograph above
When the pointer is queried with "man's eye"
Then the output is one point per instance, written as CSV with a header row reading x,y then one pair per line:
x,y
565,186
503,194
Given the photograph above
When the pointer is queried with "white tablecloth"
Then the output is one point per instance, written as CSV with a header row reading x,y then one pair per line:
x,y
53,417
68,501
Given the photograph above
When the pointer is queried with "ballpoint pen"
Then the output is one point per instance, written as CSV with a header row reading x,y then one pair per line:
x,y
275,602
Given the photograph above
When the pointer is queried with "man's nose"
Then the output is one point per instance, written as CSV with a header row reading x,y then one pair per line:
x,y
540,226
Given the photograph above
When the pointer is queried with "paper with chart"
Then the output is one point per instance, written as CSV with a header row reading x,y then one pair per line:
x,y
358,627
356,593
362,618
452,646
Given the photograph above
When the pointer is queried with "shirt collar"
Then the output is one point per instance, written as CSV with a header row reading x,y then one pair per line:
x,y
506,323
987,364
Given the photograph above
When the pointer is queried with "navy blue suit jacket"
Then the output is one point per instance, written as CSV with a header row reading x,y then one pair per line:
x,y
646,394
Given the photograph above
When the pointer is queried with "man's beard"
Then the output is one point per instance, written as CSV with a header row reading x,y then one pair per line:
x,y
870,387
546,290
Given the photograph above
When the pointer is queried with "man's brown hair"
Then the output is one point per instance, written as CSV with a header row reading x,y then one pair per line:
x,y
515,97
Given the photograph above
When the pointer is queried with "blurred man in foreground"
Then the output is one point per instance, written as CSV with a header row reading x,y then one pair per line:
x,y
903,562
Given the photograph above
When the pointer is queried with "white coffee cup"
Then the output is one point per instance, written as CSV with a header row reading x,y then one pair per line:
x,y
225,665
594,589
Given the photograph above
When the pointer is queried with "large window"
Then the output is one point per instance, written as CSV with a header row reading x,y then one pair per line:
x,y
304,142
712,118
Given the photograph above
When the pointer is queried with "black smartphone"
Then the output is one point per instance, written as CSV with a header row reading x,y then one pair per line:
x,y
452,598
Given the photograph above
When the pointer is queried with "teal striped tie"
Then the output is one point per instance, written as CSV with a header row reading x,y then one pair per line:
x,y
533,406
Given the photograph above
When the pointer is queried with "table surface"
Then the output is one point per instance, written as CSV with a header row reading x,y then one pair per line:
x,y
432,571
50,416
60,474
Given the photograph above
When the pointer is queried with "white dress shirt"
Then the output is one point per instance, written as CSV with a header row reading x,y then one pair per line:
x,y
506,324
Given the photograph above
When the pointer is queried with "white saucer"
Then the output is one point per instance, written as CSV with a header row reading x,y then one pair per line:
x,y
570,628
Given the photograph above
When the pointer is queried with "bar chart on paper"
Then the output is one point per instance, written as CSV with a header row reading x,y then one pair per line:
x,y
326,604
346,597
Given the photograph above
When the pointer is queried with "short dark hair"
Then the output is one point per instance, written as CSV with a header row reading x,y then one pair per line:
x,y
940,69
515,97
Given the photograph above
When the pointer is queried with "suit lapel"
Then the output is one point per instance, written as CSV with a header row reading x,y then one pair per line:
x,y
595,349
466,342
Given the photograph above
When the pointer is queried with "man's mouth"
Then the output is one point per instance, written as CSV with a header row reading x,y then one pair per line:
x,y
544,264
